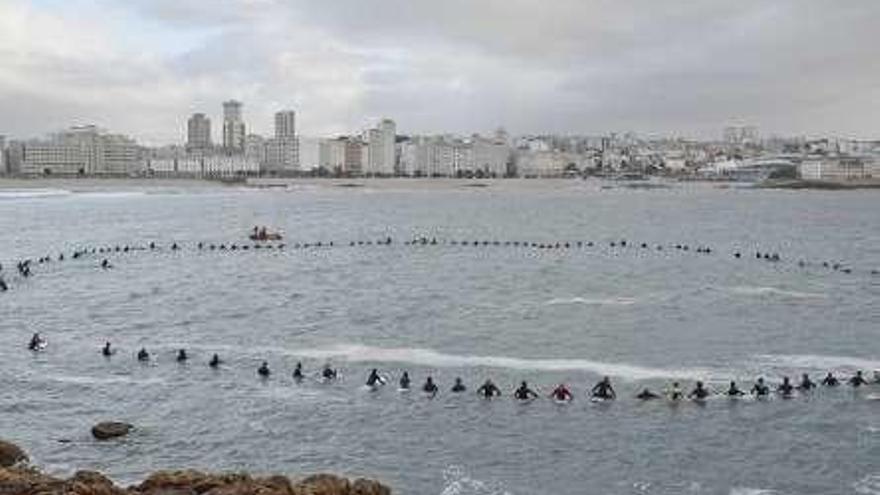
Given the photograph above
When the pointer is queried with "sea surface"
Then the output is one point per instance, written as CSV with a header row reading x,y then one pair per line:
x,y
644,316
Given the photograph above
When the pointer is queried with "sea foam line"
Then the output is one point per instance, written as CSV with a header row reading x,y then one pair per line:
x,y
435,359
818,362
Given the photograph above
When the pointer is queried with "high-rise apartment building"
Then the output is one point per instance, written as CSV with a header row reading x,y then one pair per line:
x,y
3,167
198,133
285,124
282,152
83,150
382,150
233,127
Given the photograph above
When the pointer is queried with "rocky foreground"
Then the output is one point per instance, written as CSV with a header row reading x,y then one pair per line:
x,y
17,478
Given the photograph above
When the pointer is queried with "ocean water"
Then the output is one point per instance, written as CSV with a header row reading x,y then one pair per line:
x,y
643,316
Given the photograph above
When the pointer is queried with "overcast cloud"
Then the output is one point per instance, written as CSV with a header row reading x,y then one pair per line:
x,y
688,68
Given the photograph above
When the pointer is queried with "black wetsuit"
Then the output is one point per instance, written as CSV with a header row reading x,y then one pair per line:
x,y
647,395
806,384
298,372
215,361
785,388
459,387
524,393
858,381
329,374
699,393
734,391
429,387
603,390
489,390
404,381
760,390
830,381
374,379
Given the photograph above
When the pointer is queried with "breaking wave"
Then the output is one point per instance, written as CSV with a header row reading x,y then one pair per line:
x,y
817,362
457,482
615,301
774,291
432,358
32,193
869,485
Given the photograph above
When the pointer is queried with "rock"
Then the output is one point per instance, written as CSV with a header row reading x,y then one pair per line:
x,y
110,429
369,487
11,454
29,481
323,484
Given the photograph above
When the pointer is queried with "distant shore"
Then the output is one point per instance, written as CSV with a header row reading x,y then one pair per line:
x,y
820,184
96,184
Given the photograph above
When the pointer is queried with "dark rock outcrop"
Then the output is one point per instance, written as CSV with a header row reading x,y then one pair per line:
x,y
110,429
28,481
11,454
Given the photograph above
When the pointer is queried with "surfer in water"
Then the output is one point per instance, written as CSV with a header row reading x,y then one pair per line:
x,y
647,395
806,384
430,387
458,387
830,380
215,361
143,355
263,370
760,389
858,380
106,350
489,390
298,372
404,381
785,389
561,393
603,390
181,356
524,392
374,380
328,373
734,391
699,392
36,342
675,393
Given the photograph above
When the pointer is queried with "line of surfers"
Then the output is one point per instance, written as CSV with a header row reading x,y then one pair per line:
x,y
260,235
603,390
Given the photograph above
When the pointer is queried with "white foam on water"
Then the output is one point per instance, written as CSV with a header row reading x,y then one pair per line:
x,y
458,482
32,193
111,194
751,491
93,380
869,485
775,291
817,362
615,301
435,359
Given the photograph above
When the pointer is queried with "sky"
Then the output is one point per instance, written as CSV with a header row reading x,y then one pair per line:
x,y
674,68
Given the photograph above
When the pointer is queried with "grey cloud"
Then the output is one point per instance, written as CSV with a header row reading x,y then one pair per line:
x,y
800,66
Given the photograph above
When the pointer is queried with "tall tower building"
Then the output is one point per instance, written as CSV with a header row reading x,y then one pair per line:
x,y
285,124
382,148
233,127
3,167
198,132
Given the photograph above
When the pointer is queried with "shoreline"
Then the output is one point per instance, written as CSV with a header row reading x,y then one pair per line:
x,y
103,184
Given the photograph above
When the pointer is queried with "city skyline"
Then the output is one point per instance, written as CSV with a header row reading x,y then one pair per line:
x,y
143,67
